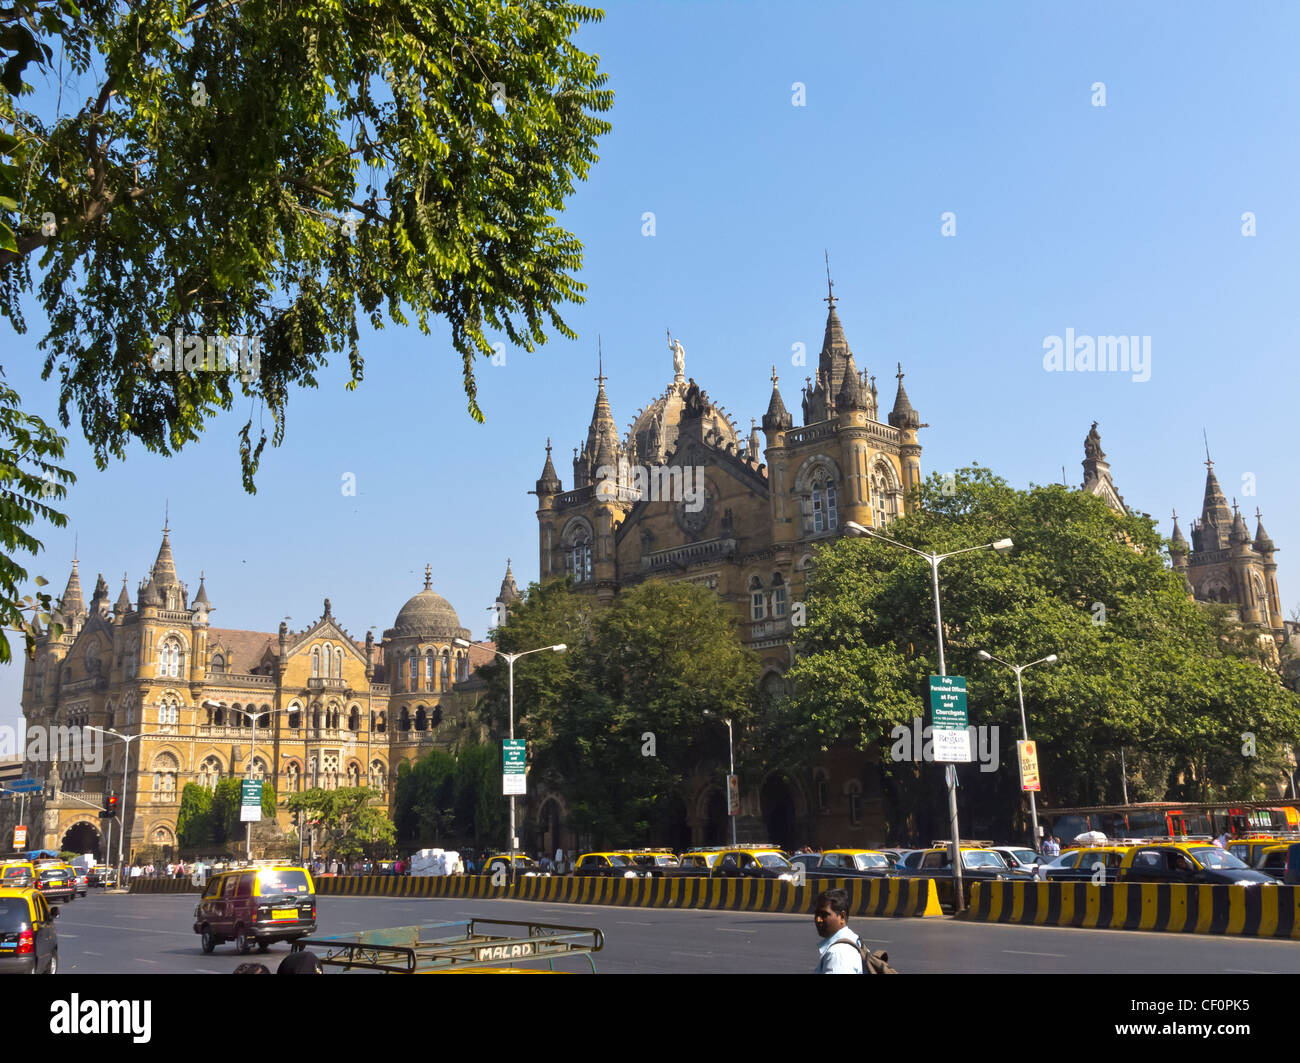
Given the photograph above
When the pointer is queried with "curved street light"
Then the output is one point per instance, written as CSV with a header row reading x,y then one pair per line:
x,y
1051,658
1001,546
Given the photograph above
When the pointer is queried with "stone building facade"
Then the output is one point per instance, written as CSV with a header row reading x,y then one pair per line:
x,y
683,496
199,703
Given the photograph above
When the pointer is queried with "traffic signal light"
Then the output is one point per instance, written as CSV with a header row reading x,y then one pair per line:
x,y
295,820
110,806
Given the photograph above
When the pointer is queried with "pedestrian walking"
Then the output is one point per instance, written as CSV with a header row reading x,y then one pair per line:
x,y
838,953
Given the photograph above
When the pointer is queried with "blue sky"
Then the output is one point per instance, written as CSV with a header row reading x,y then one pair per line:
x,y
1123,219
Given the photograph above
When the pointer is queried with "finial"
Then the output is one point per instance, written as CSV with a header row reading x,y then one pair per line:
x,y
548,446
167,508
75,550
600,363
774,376
428,577
900,372
1208,463
1175,516
1257,516
1234,505
830,284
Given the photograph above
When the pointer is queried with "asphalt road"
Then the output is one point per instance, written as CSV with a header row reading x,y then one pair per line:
x,y
151,934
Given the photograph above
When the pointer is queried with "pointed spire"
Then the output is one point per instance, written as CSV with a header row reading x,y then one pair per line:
x,y
777,417
73,605
123,603
164,568
509,590
903,415
548,483
202,597
428,577
1263,543
1177,544
850,396
755,444
1239,533
602,435
1215,516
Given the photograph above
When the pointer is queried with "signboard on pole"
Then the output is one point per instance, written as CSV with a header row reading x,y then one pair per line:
x,y
20,837
514,767
250,801
1028,766
948,715
733,795
23,786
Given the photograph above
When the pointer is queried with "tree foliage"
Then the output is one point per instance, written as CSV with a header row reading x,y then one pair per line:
x,y
618,720
194,827
223,812
450,800
1141,667
352,822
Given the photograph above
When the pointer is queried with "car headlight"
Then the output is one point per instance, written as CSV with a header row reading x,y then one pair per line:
x,y
786,878
631,874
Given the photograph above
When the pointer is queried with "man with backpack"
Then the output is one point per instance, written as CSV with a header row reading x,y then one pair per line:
x,y
839,950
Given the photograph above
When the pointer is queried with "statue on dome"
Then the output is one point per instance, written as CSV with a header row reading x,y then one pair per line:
x,y
679,356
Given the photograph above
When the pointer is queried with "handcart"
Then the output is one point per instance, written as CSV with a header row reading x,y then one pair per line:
x,y
465,945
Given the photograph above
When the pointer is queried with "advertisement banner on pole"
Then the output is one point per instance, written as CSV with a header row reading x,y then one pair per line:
x,y
250,801
514,767
20,837
948,713
1029,766
733,795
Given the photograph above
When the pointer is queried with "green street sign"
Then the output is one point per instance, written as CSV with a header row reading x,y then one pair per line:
x,y
514,766
948,714
250,801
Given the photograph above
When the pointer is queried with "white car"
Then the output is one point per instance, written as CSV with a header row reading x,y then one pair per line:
x,y
1021,858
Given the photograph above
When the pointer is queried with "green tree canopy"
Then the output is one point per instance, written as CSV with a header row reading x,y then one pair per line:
x,y
352,822
194,827
619,718
1141,667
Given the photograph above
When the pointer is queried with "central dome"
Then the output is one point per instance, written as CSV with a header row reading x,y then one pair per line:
x,y
655,428
427,615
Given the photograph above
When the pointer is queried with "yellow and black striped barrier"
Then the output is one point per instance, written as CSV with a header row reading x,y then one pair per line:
x,y
1250,911
867,896
143,884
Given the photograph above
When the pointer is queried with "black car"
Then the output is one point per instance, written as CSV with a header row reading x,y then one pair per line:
x,y
1189,864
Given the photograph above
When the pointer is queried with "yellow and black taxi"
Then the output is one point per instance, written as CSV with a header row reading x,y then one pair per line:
x,y
758,861
1190,862
652,859
1248,850
57,882
853,862
1087,863
701,859
18,874
607,865
525,866
28,944
256,906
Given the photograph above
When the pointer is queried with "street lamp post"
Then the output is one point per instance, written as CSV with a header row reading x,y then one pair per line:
x,y
510,659
1024,729
731,759
252,756
1001,546
126,761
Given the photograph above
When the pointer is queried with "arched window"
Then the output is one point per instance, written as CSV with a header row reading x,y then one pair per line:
x,y
428,670
295,716
294,774
778,595
446,669
377,774
462,667
219,716
328,660
257,769
435,717
338,664
382,726
757,599
825,512
315,663
404,722
413,670
354,718
577,551
884,496
218,663
421,719
165,767
354,774
854,791
821,787
209,772
169,659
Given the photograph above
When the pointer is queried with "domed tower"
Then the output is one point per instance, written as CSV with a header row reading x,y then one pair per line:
x,y
423,665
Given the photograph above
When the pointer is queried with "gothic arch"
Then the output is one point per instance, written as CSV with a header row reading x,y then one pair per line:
x,y
886,492
809,471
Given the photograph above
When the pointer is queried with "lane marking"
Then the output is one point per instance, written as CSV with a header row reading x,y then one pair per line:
x,y
89,953
1018,952
632,922
732,930
139,930
139,959
204,970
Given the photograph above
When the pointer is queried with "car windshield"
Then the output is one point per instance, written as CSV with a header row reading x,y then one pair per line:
x,y
619,861
1025,856
14,915
1217,859
982,859
54,872
282,880
866,860
772,860
16,872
